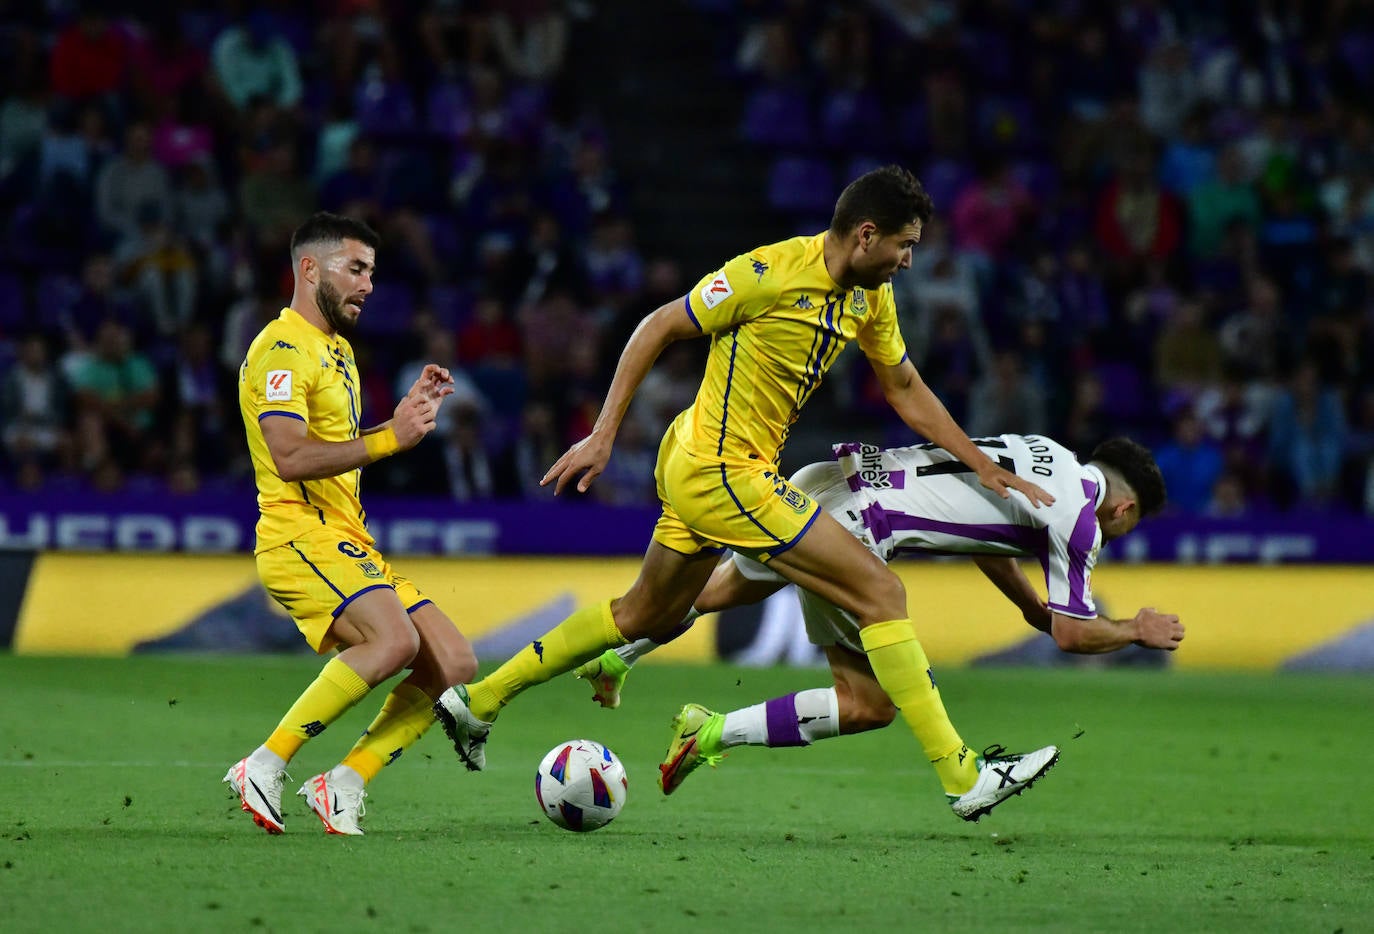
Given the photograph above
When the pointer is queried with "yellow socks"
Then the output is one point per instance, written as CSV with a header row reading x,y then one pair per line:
x,y
406,713
902,669
331,694
583,635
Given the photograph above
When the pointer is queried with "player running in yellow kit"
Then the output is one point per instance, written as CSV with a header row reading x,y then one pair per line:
x,y
777,317
299,396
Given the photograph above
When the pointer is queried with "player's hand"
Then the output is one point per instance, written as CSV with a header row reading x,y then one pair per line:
x,y
1002,481
587,457
1158,630
413,419
434,383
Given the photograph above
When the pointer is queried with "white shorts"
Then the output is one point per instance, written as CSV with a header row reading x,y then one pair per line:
x,y
826,624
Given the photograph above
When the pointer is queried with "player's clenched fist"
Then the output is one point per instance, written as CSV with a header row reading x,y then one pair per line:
x,y
1158,630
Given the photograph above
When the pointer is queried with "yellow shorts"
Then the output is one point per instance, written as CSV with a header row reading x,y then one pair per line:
x,y
709,506
319,574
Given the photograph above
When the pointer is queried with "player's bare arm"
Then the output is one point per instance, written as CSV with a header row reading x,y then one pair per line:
x,y
298,456
1148,628
1006,574
587,458
925,414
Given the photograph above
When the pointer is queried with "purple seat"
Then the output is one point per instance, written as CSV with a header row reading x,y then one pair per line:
x,y
448,111
388,310
851,119
802,185
385,109
15,315
777,116
943,180
1124,393
451,305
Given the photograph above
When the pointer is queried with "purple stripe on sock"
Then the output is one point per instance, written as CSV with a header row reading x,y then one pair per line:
x,y
781,717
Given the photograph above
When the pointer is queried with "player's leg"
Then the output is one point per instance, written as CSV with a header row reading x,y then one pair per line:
x,y
336,597
729,586
833,565
668,582
445,657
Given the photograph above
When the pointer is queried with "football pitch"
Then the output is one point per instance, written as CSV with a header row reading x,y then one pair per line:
x,y
1183,802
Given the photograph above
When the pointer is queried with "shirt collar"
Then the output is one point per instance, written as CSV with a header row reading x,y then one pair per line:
x,y
1095,474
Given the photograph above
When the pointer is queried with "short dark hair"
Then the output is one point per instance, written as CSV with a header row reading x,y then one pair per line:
x,y
324,227
1137,467
890,197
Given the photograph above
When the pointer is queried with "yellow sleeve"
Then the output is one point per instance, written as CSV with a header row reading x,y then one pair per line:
x,y
279,377
881,338
740,291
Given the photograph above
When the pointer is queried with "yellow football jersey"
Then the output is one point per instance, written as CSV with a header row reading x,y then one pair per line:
x,y
294,369
777,322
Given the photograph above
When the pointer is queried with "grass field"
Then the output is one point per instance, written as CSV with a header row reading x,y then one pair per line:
x,y
1190,802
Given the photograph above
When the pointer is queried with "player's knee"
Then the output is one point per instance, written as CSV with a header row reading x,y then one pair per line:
x,y
861,714
459,668
398,648
883,598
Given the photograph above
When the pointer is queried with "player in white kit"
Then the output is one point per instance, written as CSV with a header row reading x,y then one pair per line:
x,y
921,499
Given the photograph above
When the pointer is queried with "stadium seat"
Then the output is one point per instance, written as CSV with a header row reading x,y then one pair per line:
x,y
778,117
851,118
448,111
801,185
944,179
384,109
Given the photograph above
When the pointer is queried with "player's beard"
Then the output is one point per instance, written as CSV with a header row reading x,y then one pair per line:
x,y
331,304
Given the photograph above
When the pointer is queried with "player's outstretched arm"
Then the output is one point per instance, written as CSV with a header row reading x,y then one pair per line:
x,y
925,414
1006,573
587,458
1148,628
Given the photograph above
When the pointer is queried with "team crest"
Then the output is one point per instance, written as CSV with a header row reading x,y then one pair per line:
x,y
860,303
370,569
796,499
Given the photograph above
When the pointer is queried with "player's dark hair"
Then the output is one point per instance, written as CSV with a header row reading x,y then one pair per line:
x,y
1137,467
324,227
890,197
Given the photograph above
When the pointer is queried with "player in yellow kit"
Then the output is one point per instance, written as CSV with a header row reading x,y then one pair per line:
x,y
299,396
777,317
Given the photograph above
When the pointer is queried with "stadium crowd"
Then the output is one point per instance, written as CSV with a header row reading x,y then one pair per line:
x,y
1152,216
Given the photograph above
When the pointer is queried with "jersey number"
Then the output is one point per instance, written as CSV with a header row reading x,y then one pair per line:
x,y
932,470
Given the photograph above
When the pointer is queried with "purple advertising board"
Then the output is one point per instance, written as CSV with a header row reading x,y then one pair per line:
x,y
223,522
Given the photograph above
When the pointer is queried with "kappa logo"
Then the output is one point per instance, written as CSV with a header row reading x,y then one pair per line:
x,y
284,346
760,267
804,303
717,290
279,386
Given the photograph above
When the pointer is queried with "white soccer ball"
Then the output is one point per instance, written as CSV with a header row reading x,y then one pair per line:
x,y
580,785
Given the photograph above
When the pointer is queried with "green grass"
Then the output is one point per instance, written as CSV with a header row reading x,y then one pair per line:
x,y
1221,802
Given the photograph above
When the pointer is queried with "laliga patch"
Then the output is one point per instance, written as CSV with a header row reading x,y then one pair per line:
x,y
716,291
278,385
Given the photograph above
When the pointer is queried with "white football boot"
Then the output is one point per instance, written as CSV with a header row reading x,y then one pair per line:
x,y
337,803
467,733
1001,776
259,790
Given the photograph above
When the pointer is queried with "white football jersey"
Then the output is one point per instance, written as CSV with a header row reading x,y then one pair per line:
x,y
922,498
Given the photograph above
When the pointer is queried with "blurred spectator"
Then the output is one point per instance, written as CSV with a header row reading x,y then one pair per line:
x,y
1006,399
274,198
1307,438
1191,464
33,410
628,479
439,346
1256,339
530,39
989,212
165,66
537,446
1228,497
116,391
1168,89
131,185
160,270
1187,354
1087,423
198,390
475,473
1137,219
1215,204
253,61
561,342
489,338
90,57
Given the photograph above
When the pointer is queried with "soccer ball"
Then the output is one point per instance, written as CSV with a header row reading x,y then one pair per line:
x,y
580,785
